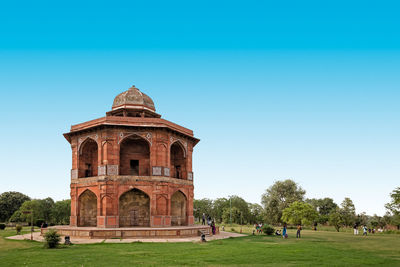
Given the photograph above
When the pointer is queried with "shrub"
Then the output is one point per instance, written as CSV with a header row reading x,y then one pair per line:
x,y
52,238
267,229
2,226
18,228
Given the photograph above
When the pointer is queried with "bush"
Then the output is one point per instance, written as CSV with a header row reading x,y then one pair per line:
x,y
267,229
52,238
18,228
2,226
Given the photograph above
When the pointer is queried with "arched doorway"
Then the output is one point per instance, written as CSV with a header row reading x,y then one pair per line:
x,y
87,209
134,209
88,159
134,156
178,161
178,209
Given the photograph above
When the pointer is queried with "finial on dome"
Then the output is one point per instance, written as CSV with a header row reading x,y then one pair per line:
x,y
133,87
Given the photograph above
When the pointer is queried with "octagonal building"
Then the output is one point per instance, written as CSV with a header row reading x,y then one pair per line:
x,y
131,168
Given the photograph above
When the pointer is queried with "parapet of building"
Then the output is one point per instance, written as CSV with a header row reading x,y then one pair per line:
x,y
131,168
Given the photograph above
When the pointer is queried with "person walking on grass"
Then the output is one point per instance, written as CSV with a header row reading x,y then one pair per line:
x,y
365,229
298,231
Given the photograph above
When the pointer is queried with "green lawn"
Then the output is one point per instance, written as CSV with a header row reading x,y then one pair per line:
x,y
314,248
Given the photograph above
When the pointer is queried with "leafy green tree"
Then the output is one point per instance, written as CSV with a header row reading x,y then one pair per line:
x,y
236,215
242,206
348,212
41,208
61,212
9,203
394,207
324,206
256,213
362,219
218,207
278,197
336,219
201,206
299,213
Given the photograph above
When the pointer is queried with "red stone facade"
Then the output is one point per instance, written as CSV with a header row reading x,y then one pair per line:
x,y
131,168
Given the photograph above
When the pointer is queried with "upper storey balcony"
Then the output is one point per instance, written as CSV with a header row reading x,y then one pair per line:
x,y
134,159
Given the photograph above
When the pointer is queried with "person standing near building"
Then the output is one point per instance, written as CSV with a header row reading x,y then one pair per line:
x,y
298,231
203,221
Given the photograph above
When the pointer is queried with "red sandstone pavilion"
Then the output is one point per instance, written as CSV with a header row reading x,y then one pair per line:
x,y
131,172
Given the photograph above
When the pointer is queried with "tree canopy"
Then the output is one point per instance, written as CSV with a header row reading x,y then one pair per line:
x,y
299,213
9,203
278,197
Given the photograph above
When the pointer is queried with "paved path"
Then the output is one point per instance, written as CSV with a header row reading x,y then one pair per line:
x,y
38,237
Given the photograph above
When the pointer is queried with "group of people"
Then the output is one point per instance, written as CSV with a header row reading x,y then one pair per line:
x,y
366,230
210,222
284,231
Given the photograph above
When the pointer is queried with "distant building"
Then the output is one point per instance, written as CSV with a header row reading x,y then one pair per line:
x,y
131,168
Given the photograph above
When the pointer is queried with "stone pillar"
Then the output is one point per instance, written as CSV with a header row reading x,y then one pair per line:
x,y
73,220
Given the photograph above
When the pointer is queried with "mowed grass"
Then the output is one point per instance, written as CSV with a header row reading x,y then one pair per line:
x,y
313,249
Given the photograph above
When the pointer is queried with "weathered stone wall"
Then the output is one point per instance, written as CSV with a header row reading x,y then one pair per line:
x,y
178,209
87,209
134,209
109,191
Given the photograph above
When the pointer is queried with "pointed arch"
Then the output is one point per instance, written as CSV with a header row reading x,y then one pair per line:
x,y
87,208
134,156
88,158
178,160
134,208
178,208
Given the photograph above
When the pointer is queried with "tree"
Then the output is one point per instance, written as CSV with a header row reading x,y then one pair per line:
x,y
299,213
394,205
226,215
9,203
256,213
41,208
61,212
336,219
218,207
278,197
324,206
242,206
201,206
348,212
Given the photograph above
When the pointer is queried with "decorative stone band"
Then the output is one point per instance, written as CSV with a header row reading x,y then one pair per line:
x,y
74,174
160,171
128,178
190,176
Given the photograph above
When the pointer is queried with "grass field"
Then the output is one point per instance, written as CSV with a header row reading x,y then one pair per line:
x,y
313,249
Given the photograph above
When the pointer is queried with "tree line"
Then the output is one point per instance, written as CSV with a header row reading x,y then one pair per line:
x,y
17,207
285,201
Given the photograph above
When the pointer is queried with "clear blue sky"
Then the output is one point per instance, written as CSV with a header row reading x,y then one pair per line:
x,y
307,90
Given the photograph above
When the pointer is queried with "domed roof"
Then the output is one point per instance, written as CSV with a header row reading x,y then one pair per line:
x,y
133,97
